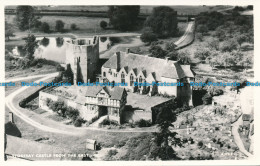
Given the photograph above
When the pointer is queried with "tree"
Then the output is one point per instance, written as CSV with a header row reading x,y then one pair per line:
x,y
241,39
9,32
148,37
123,17
184,57
73,27
203,29
45,41
30,46
229,45
163,21
157,51
25,17
164,119
213,44
45,27
199,36
59,41
103,24
202,54
59,27
207,99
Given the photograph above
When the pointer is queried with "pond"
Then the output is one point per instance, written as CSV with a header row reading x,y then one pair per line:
x,y
52,48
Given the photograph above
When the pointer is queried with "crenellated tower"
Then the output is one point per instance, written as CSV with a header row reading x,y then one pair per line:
x,y
83,57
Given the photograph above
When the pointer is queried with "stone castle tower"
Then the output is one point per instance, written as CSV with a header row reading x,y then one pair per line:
x,y
83,56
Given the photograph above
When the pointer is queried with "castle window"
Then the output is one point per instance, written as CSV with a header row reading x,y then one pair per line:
x,y
104,74
110,71
131,80
123,77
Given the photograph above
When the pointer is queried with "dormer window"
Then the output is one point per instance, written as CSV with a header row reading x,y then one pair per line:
x,y
131,80
123,77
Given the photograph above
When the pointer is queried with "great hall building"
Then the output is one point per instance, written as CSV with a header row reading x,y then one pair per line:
x,y
126,67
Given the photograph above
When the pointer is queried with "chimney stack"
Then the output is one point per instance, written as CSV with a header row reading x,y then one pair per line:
x,y
167,59
127,50
11,117
117,61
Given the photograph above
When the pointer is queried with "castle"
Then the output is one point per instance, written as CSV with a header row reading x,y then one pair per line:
x,y
82,56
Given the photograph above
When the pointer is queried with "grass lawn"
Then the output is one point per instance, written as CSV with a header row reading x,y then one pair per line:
x,y
13,73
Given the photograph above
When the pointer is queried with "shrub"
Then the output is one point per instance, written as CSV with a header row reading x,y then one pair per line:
x,y
45,27
59,27
143,123
199,36
93,119
59,68
72,113
200,144
207,99
148,37
73,27
109,122
79,121
103,24
157,51
203,29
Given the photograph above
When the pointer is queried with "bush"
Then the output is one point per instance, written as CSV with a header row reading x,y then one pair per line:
x,y
93,119
103,24
79,121
203,29
73,27
109,122
59,27
200,144
199,36
148,37
59,68
143,123
45,27
157,51
207,99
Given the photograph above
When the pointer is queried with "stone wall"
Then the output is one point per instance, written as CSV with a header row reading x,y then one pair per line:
x,y
136,115
85,111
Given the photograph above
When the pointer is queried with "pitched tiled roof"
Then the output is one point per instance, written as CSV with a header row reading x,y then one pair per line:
x,y
115,92
15,145
161,67
11,129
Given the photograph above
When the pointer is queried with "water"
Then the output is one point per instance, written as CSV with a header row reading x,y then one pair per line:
x,y
52,48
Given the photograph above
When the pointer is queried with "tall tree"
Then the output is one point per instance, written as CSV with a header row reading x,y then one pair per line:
x,y
59,27
9,32
30,46
164,119
25,17
163,21
123,17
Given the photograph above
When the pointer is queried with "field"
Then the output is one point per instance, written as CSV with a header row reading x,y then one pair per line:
x,y
181,9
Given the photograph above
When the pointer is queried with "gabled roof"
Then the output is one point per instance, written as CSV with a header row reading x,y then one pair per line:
x,y
114,93
162,67
15,145
12,129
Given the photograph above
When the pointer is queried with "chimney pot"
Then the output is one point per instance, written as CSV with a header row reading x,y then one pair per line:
x,y
127,50
11,117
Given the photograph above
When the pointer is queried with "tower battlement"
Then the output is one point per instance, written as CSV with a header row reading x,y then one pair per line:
x,y
82,44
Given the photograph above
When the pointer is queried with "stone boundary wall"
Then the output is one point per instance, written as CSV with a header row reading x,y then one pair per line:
x,y
85,113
